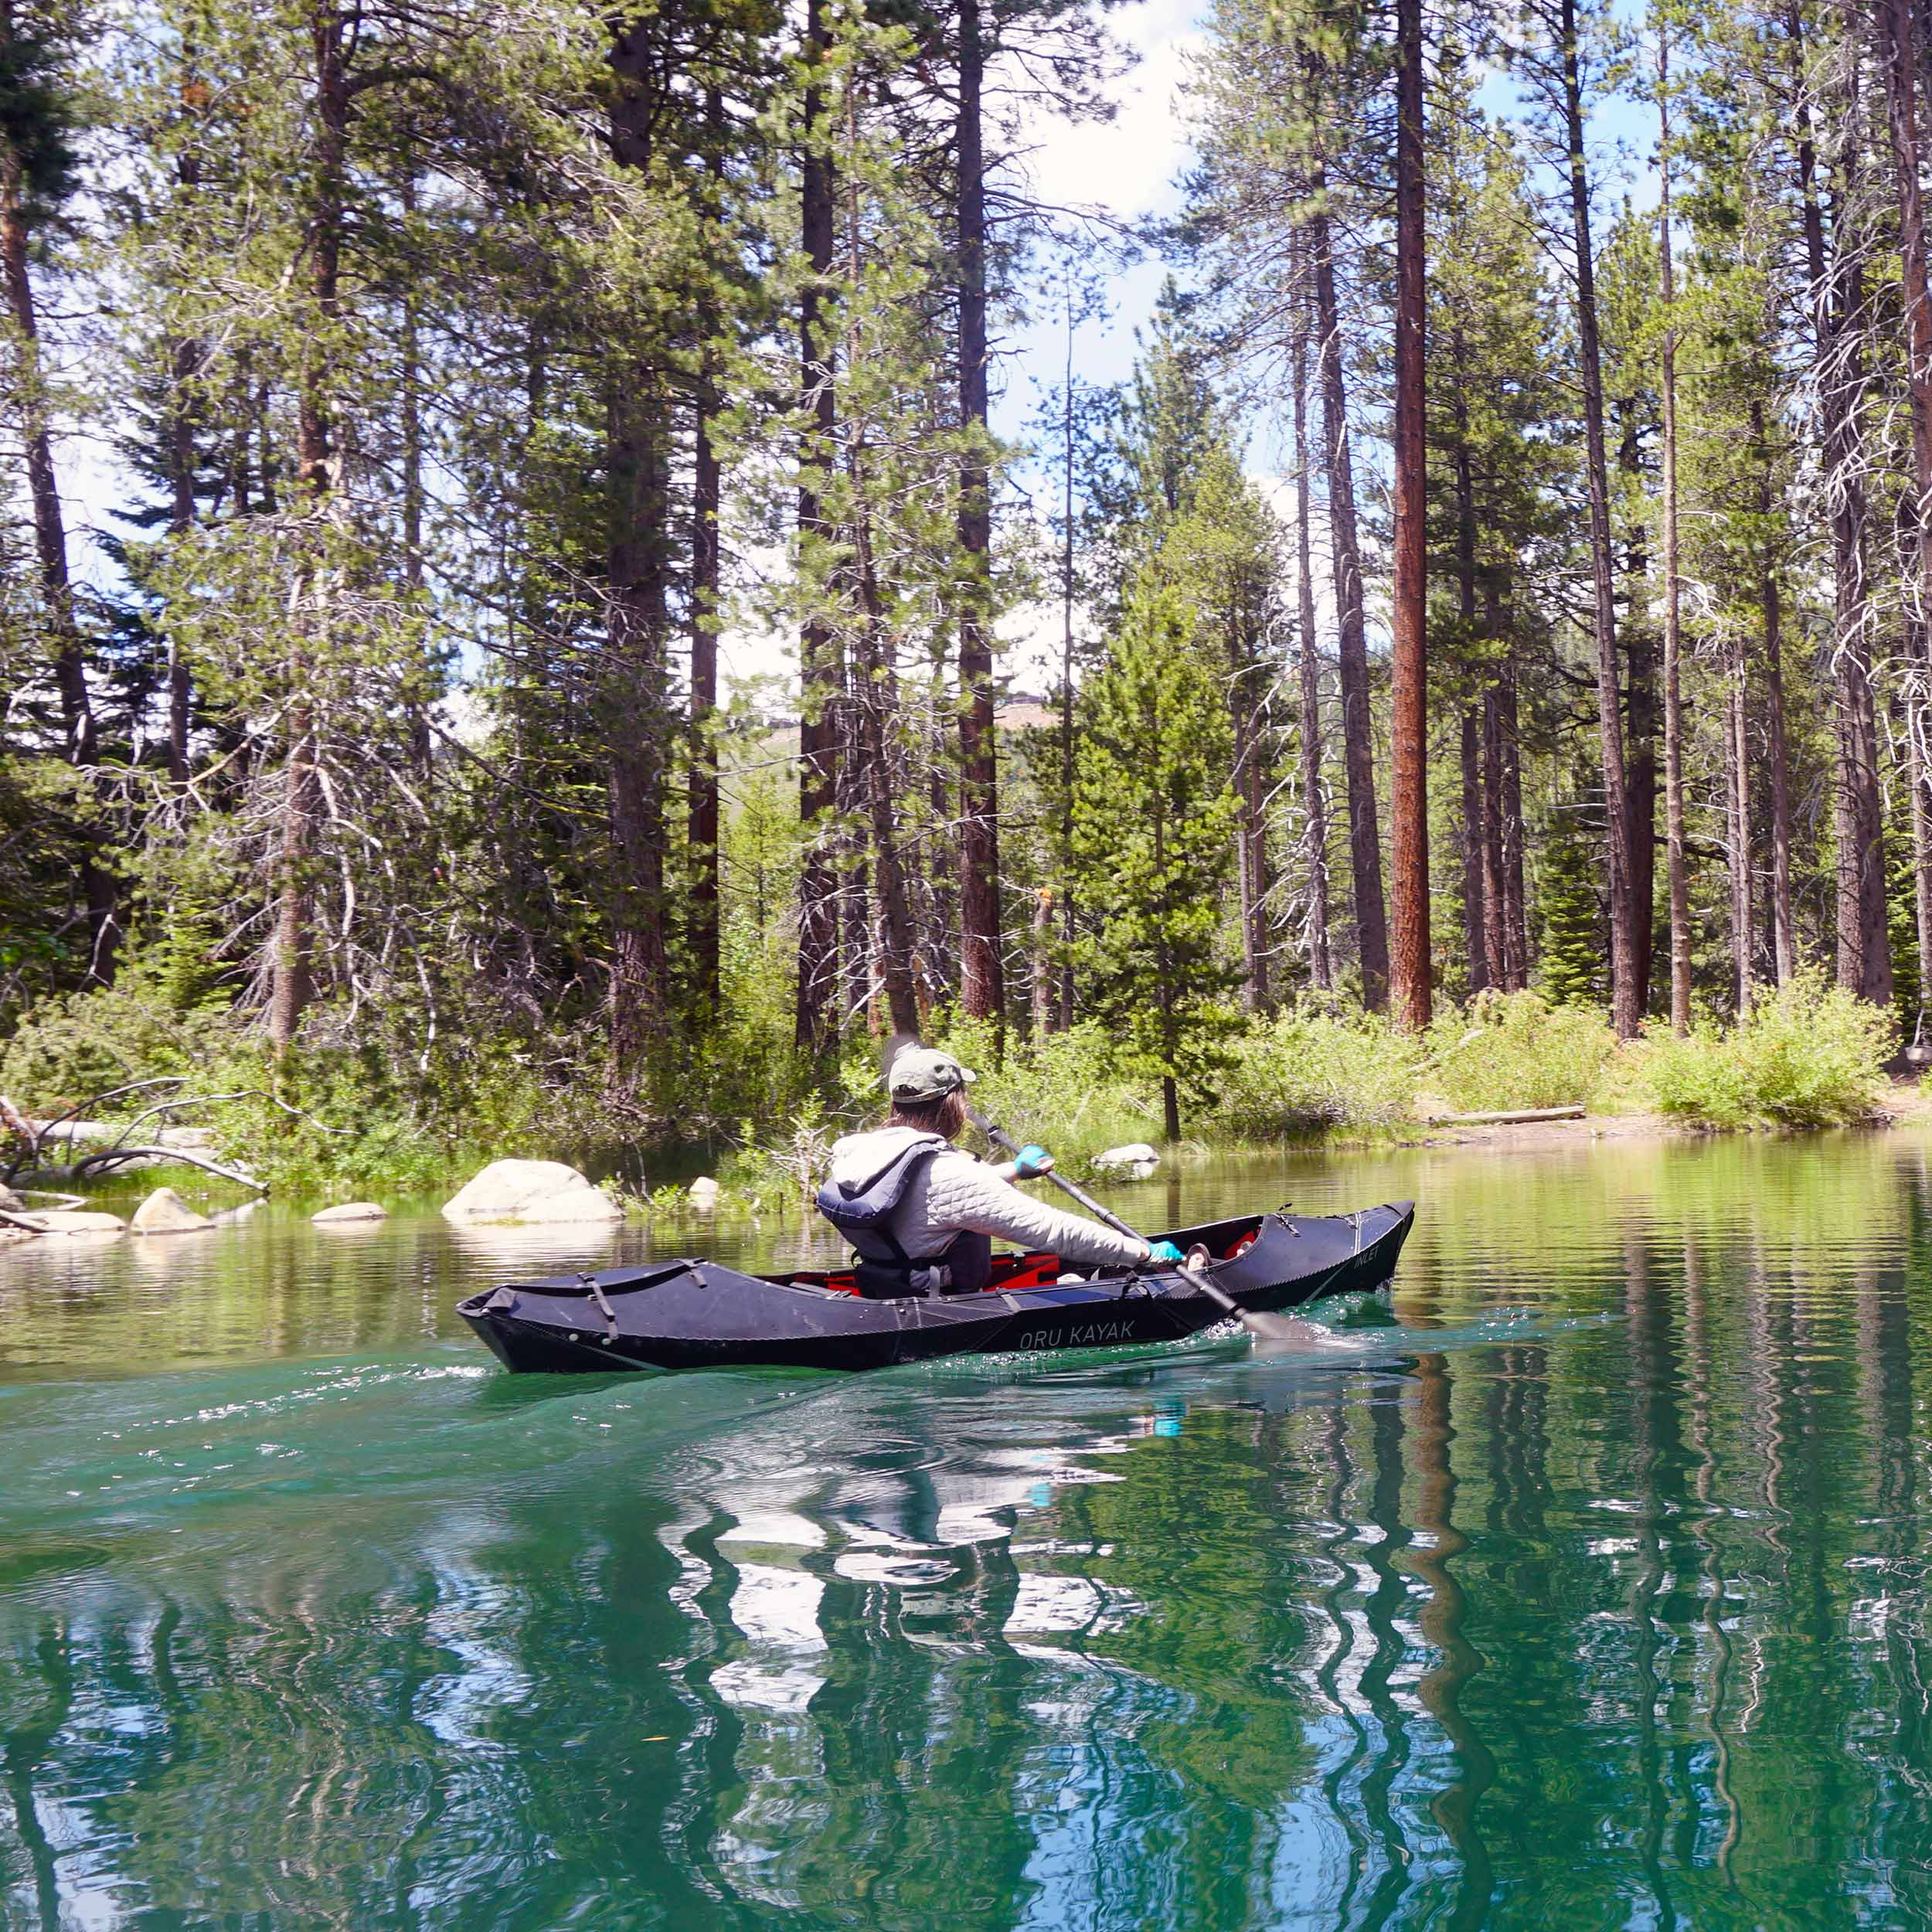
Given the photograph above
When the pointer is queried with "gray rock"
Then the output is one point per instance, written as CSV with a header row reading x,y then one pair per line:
x,y
527,1193
1136,1158
77,1221
165,1212
704,1194
348,1212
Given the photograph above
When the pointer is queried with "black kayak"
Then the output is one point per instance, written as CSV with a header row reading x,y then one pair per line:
x,y
698,1314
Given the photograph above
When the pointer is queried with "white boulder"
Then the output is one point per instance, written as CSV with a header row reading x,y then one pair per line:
x,y
526,1193
1136,1158
704,1194
348,1212
165,1212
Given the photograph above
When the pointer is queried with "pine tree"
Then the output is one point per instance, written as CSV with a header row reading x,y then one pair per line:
x,y
1152,820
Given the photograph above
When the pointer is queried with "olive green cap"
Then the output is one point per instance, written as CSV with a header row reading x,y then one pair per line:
x,y
924,1074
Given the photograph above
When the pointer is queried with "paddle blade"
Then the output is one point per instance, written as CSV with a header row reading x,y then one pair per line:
x,y
1288,1335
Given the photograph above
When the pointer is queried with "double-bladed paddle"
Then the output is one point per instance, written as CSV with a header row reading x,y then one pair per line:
x,y
1268,1328
1277,1329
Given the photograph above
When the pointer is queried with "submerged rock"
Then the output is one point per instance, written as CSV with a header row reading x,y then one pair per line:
x,y
76,1221
165,1212
1136,1158
348,1212
704,1194
523,1193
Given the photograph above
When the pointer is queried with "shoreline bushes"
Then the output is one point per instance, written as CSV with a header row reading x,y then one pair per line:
x,y
418,1114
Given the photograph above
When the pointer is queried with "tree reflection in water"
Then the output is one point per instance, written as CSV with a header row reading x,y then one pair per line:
x,y
1592,1594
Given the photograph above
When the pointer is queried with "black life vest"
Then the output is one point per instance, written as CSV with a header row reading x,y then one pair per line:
x,y
863,1211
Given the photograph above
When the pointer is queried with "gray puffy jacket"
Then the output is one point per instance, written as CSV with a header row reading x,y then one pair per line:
x,y
953,1192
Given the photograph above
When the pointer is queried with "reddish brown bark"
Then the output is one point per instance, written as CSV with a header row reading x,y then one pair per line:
x,y
1408,727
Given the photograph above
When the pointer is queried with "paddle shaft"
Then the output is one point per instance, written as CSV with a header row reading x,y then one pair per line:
x,y
1217,1295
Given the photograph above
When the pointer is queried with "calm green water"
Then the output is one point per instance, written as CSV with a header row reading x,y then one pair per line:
x,y
1591,1592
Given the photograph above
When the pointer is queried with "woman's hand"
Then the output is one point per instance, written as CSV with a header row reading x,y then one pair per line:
x,y
1031,1162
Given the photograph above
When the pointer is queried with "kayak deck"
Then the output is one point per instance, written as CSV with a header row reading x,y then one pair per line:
x,y
698,1314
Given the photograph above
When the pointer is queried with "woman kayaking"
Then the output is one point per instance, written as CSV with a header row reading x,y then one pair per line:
x,y
922,1214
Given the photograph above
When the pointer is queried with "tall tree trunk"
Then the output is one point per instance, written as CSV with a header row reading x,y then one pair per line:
x,y
1314,810
1358,726
1738,824
1676,856
816,1026
638,622
982,991
874,696
1783,925
292,982
77,722
872,705
1475,922
1475,938
1496,956
181,521
1640,714
707,491
1065,1010
1898,52
1515,925
410,409
1626,1009
1837,303
1409,730
1250,835
1042,963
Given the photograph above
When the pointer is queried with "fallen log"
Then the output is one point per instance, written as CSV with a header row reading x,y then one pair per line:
x,y
112,1157
1509,1117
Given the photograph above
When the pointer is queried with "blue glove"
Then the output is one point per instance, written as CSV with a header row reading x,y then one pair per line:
x,y
1031,1162
1166,1253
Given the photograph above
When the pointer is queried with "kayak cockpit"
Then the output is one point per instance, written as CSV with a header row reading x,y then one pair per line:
x,y
1020,1274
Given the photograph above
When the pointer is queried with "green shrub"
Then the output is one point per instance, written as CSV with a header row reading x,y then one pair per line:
x,y
1310,1072
1515,1050
75,1045
1810,1054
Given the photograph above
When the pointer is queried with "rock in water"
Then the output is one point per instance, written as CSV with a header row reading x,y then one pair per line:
x,y
350,1211
521,1193
704,1194
9,1201
76,1221
1136,1158
165,1212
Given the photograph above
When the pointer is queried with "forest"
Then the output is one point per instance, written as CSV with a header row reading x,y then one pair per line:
x,y
1504,576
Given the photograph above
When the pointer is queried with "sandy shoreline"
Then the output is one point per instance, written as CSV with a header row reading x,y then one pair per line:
x,y
1907,1103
